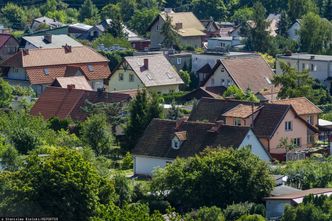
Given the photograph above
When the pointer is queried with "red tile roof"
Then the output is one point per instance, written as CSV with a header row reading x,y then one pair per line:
x,y
67,103
301,105
80,82
59,63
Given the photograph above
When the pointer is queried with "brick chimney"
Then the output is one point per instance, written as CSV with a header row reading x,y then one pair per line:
x,y
178,26
146,63
48,38
67,48
179,122
25,51
70,86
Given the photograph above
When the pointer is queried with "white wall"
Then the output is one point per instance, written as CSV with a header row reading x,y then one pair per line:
x,y
217,77
256,147
144,165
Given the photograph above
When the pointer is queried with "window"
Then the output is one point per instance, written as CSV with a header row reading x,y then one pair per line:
x,y
169,75
237,122
121,77
303,66
313,67
311,139
175,143
222,69
157,28
222,82
15,70
212,81
131,77
310,119
178,60
171,91
46,71
297,141
228,82
90,67
288,126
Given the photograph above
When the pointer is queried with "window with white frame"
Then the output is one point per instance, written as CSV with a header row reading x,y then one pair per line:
x,y
121,77
313,67
237,122
288,126
297,141
178,60
131,77
310,119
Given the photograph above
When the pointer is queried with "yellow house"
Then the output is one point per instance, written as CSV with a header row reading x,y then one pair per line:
x,y
153,72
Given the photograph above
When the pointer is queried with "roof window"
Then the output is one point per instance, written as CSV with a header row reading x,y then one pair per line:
x,y
169,75
90,67
46,71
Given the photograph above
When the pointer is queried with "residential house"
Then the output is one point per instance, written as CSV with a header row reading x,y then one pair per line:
x,y
165,140
68,102
201,59
39,67
212,28
44,23
275,205
79,82
201,92
4,30
293,31
273,20
250,72
153,72
319,66
82,31
8,46
189,29
137,42
48,41
63,30
181,61
270,122
224,43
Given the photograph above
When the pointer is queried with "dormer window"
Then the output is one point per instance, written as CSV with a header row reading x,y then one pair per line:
x,y
46,71
178,139
90,67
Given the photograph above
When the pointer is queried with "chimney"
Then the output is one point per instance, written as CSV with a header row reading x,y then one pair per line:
x,y
25,51
217,126
312,57
70,86
168,10
179,122
48,38
146,63
178,26
67,48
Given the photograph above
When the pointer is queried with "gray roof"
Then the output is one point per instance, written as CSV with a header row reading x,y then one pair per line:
x,y
48,21
283,189
159,71
301,56
57,41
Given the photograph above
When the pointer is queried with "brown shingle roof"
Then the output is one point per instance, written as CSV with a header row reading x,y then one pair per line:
x,y
301,105
156,140
241,111
67,103
54,56
248,72
159,71
265,123
300,194
80,82
191,26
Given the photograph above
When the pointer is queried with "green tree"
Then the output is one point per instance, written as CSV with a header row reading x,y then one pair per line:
x,y
283,24
14,15
286,144
298,8
251,218
236,93
142,110
206,214
128,8
242,15
6,92
234,211
315,34
185,76
258,37
188,181
215,8
142,19
116,27
170,36
96,133
122,189
110,11
61,185
298,84
88,10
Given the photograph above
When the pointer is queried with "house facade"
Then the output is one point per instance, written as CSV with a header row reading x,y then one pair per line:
x,y
319,66
153,72
294,29
186,25
8,46
270,122
165,140
39,67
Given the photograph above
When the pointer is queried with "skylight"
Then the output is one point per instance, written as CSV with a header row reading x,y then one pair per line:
x,y
149,76
268,80
169,75
46,71
90,67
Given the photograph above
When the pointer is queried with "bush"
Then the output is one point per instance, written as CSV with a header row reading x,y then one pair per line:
x,y
206,214
254,217
127,161
235,211
56,124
